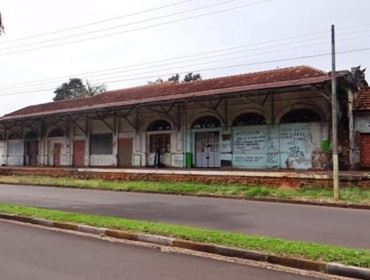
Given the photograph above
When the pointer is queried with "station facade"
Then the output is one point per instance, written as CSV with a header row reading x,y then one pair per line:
x,y
277,119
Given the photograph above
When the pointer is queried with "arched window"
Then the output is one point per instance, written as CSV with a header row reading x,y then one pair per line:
x,y
300,116
159,125
31,135
56,132
249,119
206,122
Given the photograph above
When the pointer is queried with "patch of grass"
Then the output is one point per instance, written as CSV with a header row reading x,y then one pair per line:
x,y
312,251
348,194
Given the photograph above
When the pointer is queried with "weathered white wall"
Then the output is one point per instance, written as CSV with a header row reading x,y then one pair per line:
x,y
361,125
182,140
65,159
15,152
3,152
99,127
267,157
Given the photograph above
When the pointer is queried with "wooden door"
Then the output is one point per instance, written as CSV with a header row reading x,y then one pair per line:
x,y
79,153
31,153
56,154
365,150
125,152
207,152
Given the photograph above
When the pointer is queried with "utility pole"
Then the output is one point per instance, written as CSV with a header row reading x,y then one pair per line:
x,y
1,25
334,118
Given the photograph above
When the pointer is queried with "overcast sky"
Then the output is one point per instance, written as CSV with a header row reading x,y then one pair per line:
x,y
152,40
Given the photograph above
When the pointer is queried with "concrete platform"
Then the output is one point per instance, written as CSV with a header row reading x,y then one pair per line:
x,y
287,178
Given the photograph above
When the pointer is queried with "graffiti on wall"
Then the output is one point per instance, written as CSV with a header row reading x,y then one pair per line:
x,y
253,140
250,147
285,146
295,146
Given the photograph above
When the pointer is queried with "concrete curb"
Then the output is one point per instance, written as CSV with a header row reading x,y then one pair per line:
x,y
329,268
277,200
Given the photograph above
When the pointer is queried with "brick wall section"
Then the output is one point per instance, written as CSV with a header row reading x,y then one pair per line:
x,y
243,180
365,150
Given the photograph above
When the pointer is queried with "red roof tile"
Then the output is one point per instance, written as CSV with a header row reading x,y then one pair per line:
x,y
169,91
362,102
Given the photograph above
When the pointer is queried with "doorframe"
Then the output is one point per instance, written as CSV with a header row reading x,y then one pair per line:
x,y
63,140
73,152
118,151
147,143
27,142
201,130
60,154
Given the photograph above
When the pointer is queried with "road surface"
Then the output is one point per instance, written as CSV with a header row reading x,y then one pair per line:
x,y
344,227
33,253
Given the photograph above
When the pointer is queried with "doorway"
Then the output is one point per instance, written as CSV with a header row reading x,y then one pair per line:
x,y
125,152
56,154
79,153
31,147
207,150
31,152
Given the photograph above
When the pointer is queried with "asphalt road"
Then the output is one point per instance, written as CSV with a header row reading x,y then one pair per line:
x,y
344,227
33,253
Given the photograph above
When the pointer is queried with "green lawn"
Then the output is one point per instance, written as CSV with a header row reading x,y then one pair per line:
x,y
312,251
348,194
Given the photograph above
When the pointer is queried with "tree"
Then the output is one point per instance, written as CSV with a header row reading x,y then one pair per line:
x,y
174,78
75,88
1,25
158,81
92,90
190,77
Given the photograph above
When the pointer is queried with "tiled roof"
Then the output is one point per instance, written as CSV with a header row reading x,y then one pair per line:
x,y
169,91
362,102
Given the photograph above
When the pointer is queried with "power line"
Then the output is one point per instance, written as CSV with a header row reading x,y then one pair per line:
x,y
131,71
178,58
135,29
98,22
122,25
123,17
101,77
214,68
134,68
187,56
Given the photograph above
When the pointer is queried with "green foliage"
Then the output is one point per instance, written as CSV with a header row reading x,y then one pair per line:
x,y
308,250
75,88
349,194
190,77
175,78
158,81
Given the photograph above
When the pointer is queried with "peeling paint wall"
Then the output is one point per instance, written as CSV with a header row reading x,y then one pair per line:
x,y
65,159
3,152
274,145
99,127
361,126
15,152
